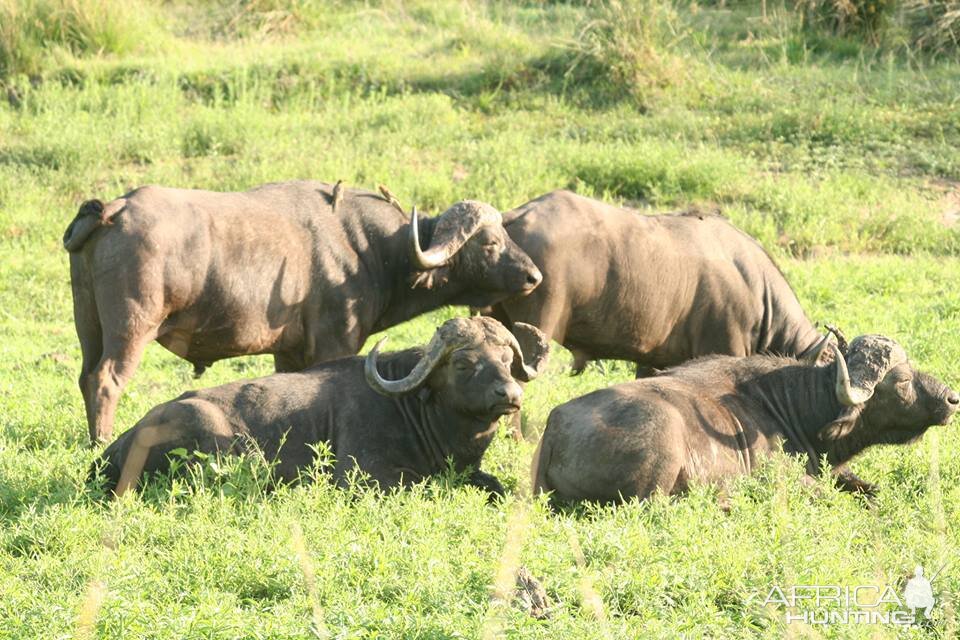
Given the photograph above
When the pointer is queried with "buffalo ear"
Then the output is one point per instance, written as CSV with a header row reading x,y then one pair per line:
x,y
842,426
534,351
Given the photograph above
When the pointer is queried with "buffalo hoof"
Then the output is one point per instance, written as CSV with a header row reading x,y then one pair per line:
x,y
865,489
847,480
488,483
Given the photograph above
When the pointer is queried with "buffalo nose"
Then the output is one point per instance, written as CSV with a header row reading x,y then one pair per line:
x,y
534,278
511,393
953,399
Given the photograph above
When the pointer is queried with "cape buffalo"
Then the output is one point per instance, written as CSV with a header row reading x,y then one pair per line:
x,y
654,290
302,270
715,417
416,409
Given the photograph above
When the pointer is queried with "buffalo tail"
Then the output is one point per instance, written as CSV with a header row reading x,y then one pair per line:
x,y
92,215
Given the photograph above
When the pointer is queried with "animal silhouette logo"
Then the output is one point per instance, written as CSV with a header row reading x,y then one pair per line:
x,y
918,593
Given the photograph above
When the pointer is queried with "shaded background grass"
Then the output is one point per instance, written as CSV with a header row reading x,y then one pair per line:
x,y
833,143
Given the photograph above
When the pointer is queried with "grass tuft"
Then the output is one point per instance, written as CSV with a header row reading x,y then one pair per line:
x,y
629,48
934,25
865,18
259,19
31,31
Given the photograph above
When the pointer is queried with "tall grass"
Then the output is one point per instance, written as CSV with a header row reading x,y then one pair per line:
x,y
865,18
229,19
629,48
934,25
33,30
912,26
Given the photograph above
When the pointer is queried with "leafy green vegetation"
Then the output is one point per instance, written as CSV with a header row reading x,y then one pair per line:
x,y
839,156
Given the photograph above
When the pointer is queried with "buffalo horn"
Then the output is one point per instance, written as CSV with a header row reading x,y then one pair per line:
x,y
846,394
424,260
455,227
812,356
433,354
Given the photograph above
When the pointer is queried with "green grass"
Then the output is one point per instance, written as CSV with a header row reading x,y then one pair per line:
x,y
840,158
35,32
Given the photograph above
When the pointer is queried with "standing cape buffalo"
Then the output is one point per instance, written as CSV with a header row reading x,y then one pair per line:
x,y
714,417
442,401
655,290
291,269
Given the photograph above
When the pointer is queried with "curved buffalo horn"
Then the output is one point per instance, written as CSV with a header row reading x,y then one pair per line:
x,y
846,394
433,354
812,355
422,260
525,369
454,227
869,359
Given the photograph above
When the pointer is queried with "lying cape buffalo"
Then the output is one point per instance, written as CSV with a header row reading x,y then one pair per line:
x,y
302,270
655,290
715,417
416,409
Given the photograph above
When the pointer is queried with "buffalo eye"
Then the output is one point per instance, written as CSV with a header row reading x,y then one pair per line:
x,y
899,377
463,364
904,386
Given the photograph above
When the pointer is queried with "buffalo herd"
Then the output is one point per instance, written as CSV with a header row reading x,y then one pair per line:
x,y
729,367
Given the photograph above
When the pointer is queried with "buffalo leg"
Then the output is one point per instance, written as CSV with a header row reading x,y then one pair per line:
x,y
135,314
329,340
193,423
89,332
515,424
643,371
107,379
286,363
486,482
146,438
667,475
847,480
580,361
